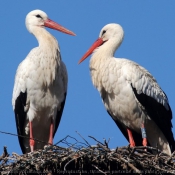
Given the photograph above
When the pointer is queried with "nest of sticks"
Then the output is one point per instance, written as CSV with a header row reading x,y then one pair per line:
x,y
83,158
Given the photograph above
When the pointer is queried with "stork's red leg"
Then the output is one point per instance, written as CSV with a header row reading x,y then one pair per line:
x,y
51,132
144,135
32,142
131,140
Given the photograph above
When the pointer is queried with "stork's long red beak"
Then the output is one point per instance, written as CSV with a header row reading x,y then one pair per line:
x,y
53,25
96,44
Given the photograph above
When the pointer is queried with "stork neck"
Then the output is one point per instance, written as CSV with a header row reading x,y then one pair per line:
x,y
45,39
106,50
50,58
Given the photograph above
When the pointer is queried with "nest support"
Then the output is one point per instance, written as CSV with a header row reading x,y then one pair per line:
x,y
82,158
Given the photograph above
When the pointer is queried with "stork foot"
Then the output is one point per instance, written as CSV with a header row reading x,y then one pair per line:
x,y
131,140
50,142
144,142
32,143
51,133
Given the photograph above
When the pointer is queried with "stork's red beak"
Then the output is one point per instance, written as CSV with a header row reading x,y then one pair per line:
x,y
96,44
53,25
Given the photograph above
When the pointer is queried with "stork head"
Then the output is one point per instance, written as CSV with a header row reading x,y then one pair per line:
x,y
110,37
38,18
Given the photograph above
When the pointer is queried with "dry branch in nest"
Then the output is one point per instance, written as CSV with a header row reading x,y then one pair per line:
x,y
82,158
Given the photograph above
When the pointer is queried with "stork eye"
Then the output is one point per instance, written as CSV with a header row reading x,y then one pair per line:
x,y
38,16
104,31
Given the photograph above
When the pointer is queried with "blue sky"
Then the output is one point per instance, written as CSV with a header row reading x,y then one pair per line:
x,y
149,40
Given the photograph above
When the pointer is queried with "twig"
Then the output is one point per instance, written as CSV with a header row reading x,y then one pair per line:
x,y
98,169
96,140
83,138
22,136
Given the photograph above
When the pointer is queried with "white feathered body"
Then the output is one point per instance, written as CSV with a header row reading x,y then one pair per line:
x,y
43,76
114,78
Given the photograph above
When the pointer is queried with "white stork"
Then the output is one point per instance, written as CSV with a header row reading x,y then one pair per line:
x,y
130,93
40,85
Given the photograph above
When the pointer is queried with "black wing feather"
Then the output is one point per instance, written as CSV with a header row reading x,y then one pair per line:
x,y
159,114
59,114
20,117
